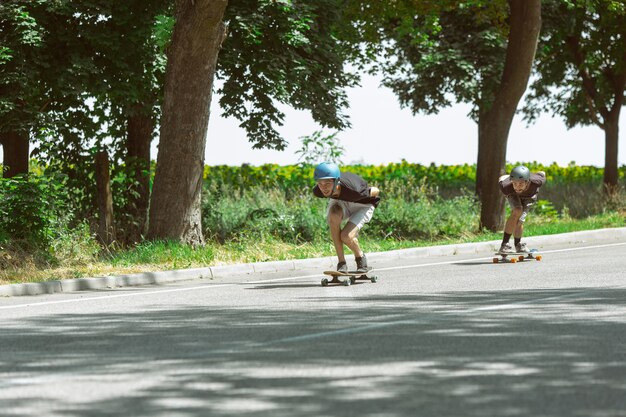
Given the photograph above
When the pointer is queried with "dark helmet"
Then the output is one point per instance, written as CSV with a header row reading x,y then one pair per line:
x,y
520,173
327,170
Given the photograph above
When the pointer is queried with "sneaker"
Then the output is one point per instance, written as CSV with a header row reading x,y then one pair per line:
x,y
342,267
506,248
361,264
521,247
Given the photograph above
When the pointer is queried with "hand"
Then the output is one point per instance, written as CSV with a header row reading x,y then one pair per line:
x,y
374,191
503,177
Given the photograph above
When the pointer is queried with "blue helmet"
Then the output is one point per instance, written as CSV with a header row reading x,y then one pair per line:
x,y
326,171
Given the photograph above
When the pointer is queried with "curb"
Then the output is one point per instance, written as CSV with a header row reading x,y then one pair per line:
x,y
161,277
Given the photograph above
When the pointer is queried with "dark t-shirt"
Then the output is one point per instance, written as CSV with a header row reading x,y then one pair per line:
x,y
353,188
536,181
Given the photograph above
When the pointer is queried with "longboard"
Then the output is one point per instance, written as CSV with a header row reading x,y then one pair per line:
x,y
352,277
517,256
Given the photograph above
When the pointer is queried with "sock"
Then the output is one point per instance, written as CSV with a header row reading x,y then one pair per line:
x,y
507,237
517,240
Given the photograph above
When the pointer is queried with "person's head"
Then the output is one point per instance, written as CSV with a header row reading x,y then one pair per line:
x,y
326,176
520,178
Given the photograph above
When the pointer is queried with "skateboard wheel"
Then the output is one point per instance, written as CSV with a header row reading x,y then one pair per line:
x,y
374,278
521,258
513,260
347,282
538,257
495,260
324,282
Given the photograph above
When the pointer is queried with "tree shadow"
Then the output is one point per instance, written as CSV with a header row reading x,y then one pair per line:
x,y
505,353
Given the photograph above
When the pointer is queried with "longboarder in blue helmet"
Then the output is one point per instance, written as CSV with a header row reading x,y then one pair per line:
x,y
521,188
351,200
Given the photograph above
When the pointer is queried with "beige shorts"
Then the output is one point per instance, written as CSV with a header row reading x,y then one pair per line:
x,y
356,213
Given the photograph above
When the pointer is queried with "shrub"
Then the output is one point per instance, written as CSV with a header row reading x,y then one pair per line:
x,y
32,208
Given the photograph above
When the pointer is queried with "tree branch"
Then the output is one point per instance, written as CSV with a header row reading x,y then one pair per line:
x,y
589,84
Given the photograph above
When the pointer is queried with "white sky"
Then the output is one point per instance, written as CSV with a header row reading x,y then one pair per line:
x,y
382,132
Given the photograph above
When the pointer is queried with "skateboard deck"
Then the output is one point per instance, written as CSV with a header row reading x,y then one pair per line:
x,y
350,277
517,256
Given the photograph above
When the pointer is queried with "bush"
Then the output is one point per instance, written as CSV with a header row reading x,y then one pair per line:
x,y
263,214
32,208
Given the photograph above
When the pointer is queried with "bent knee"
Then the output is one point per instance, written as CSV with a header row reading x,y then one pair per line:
x,y
348,237
516,212
335,214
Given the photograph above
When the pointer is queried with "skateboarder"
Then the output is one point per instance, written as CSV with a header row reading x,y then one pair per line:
x,y
351,199
520,188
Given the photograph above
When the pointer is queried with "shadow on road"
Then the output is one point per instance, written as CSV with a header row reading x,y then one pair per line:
x,y
510,353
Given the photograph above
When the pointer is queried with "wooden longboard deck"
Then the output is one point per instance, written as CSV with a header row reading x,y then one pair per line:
x,y
517,256
346,274
352,277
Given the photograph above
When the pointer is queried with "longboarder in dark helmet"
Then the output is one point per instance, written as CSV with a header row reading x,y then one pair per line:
x,y
520,177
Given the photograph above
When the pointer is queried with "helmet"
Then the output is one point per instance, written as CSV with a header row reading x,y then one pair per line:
x,y
520,172
326,170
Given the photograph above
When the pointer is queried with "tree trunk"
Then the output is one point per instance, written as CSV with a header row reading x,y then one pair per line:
x,y
106,229
140,128
16,153
494,124
611,137
175,211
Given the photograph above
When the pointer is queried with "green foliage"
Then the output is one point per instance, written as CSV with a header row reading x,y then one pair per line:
x,y
317,148
545,208
580,61
32,208
283,52
20,50
445,52
403,175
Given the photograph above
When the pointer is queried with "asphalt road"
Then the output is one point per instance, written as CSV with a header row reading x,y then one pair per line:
x,y
447,336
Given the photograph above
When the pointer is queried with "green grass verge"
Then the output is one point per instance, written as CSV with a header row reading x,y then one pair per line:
x,y
154,256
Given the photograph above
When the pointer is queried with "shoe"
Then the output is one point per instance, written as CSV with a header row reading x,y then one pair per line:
x,y
521,247
506,248
342,267
361,264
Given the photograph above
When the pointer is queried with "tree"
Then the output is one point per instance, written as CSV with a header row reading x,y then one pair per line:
x,y
107,83
474,52
495,123
275,52
20,94
192,57
581,67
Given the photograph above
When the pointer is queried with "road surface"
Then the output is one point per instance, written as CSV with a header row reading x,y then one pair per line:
x,y
443,336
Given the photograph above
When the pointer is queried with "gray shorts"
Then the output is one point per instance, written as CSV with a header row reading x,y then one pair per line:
x,y
524,203
356,213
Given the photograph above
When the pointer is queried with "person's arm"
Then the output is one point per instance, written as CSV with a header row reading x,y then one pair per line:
x,y
374,191
542,178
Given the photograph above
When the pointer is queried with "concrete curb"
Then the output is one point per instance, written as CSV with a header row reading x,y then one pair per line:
x,y
150,278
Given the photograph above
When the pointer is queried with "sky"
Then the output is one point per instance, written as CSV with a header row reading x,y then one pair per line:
x,y
382,132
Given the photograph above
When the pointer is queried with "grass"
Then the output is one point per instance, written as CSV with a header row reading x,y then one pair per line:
x,y
153,256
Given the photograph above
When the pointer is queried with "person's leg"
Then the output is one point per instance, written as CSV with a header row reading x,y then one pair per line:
x,y
359,216
519,229
335,217
349,236
511,224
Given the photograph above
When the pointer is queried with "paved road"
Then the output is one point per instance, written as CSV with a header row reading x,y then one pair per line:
x,y
448,336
